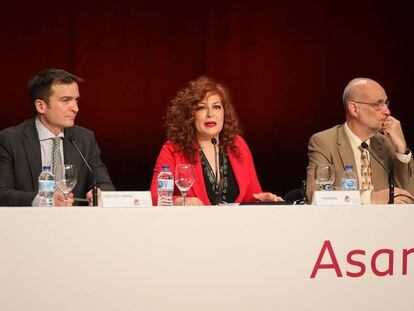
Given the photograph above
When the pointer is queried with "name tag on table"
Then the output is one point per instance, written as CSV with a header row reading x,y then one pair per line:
x,y
125,199
336,198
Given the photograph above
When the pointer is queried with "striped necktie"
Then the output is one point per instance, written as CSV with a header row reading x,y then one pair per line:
x,y
56,155
366,173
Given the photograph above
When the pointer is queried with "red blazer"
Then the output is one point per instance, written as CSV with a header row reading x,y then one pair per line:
x,y
243,169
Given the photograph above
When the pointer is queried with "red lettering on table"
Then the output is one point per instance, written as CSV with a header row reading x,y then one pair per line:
x,y
390,269
353,262
406,252
334,262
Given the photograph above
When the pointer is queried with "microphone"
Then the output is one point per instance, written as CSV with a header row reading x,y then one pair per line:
x,y
389,172
216,186
95,188
297,196
294,195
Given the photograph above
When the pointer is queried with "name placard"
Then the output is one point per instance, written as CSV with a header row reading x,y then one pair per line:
x,y
336,197
125,199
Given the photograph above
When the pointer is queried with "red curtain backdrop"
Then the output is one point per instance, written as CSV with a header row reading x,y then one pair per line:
x,y
286,65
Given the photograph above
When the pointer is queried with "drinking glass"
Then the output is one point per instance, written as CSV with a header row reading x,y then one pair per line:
x,y
324,176
65,179
184,178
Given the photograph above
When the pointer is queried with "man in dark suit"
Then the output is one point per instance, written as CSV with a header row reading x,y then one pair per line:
x,y
369,120
25,148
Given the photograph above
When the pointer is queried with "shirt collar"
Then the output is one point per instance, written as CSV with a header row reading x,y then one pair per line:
x,y
43,132
353,139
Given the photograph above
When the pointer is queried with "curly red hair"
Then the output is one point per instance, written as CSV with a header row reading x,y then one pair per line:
x,y
180,117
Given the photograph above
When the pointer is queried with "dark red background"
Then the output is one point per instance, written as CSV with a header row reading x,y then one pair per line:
x,y
286,65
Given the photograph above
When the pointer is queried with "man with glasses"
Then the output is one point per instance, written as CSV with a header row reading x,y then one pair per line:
x,y
368,120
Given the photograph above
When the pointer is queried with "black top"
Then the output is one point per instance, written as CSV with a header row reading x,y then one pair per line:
x,y
228,189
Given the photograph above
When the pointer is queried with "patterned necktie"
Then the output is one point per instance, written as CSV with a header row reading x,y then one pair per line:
x,y
366,173
56,156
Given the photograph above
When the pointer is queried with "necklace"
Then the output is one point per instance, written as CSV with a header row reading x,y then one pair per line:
x,y
223,171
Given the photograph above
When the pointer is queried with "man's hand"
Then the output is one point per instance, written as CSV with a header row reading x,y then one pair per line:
x,y
267,197
89,196
392,129
59,199
382,196
188,201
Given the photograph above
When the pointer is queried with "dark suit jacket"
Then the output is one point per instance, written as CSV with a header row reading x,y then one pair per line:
x,y
21,164
332,146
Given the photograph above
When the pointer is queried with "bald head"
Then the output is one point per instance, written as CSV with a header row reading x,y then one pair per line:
x,y
358,89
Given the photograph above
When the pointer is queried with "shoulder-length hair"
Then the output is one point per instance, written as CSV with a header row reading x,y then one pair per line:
x,y
180,117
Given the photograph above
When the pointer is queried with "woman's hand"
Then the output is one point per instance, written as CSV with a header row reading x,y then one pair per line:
x,y
267,197
188,201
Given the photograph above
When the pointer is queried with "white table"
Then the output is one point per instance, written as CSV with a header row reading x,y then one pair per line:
x,y
202,258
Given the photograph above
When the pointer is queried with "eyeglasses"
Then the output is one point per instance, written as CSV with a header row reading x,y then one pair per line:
x,y
378,105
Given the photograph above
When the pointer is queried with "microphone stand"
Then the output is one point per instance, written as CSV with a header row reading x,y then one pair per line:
x,y
94,188
94,193
216,186
391,178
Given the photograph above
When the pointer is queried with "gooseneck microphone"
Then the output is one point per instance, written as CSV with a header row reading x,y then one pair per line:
x,y
389,172
216,186
95,188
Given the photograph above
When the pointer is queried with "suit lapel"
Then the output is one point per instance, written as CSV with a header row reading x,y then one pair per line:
x,y
378,149
378,173
33,155
345,149
199,187
240,174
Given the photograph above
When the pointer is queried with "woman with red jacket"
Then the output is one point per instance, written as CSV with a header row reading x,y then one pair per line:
x,y
200,112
